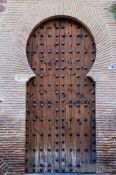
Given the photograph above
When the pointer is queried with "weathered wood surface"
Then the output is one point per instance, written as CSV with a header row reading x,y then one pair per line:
x,y
60,98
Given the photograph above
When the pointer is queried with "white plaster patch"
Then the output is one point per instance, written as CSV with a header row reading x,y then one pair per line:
x,y
23,78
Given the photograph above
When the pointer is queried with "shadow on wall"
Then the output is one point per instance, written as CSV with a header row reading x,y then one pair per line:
x,y
3,167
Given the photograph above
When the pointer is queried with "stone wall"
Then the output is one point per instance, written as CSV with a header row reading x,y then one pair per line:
x,y
17,19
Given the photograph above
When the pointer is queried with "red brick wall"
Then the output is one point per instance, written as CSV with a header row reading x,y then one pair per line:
x,y
17,19
12,147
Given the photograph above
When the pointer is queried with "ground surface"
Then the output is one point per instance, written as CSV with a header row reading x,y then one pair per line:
x,y
58,174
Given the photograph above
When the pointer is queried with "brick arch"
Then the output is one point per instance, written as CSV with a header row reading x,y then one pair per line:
x,y
50,8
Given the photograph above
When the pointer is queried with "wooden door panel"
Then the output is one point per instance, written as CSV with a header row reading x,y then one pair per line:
x,y
60,99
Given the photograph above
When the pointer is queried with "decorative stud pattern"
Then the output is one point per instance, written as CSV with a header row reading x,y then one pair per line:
x,y
60,99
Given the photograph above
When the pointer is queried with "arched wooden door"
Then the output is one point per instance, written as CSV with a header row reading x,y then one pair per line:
x,y
60,98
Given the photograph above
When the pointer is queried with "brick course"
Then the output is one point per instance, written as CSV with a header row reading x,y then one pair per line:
x,y
16,23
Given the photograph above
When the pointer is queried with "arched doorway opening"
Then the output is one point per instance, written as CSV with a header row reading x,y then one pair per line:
x,y
60,128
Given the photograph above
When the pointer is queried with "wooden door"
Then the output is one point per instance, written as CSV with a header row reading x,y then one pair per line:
x,y
60,128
